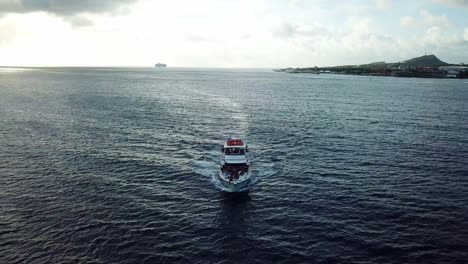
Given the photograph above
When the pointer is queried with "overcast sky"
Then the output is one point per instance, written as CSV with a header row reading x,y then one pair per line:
x,y
241,33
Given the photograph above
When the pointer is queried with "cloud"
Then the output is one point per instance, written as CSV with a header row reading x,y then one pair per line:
x,y
240,33
426,19
384,4
313,30
199,38
452,2
361,25
63,7
408,21
434,35
79,21
290,30
7,31
284,30
434,20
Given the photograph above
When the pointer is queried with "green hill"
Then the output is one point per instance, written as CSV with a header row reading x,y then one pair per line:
x,y
426,60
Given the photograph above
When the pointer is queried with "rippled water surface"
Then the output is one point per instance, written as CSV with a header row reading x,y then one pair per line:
x,y
117,166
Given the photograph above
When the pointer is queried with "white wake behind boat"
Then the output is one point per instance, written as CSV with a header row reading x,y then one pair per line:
x,y
234,172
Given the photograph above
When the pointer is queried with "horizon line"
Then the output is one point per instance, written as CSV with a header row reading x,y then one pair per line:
x,y
121,66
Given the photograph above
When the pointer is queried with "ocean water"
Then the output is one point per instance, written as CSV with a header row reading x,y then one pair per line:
x,y
117,165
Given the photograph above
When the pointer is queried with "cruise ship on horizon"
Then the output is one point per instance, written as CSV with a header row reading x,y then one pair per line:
x,y
160,65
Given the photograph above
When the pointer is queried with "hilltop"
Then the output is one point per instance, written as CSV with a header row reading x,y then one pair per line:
x,y
423,61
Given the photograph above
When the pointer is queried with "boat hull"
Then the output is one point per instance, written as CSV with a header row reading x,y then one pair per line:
x,y
236,185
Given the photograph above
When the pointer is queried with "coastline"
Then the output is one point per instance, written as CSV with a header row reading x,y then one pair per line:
x,y
427,66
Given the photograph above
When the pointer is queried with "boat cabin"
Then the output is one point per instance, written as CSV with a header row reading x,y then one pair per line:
x,y
234,151
234,146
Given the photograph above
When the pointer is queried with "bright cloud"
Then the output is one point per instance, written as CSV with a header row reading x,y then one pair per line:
x,y
435,20
384,4
426,19
408,21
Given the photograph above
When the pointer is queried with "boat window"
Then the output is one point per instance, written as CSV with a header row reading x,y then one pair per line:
x,y
234,151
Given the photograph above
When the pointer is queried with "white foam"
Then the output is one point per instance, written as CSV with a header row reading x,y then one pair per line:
x,y
209,168
240,123
264,170
206,168
217,183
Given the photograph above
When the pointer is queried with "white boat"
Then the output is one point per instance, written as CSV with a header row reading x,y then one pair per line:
x,y
234,172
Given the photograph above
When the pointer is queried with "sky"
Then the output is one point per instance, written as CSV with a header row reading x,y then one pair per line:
x,y
241,33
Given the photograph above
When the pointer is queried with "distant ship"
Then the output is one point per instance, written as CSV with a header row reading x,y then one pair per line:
x,y
160,65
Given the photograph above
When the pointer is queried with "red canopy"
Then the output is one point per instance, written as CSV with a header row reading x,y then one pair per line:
x,y
235,142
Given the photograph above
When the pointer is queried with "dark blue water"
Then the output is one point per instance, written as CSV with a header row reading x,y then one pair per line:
x,y
116,166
